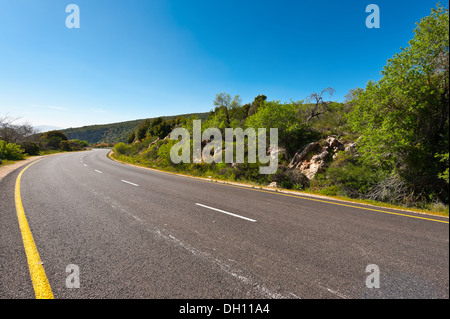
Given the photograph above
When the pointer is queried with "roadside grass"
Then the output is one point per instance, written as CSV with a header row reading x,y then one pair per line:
x,y
9,162
438,209
48,152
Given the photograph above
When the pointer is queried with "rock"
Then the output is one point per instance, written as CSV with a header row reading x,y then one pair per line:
x,y
280,151
312,167
273,184
350,148
321,157
315,156
153,143
299,156
297,177
334,143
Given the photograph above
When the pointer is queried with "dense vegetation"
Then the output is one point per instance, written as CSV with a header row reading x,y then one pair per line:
x,y
19,141
396,131
109,133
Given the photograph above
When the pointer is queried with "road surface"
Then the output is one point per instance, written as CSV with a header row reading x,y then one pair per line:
x,y
127,232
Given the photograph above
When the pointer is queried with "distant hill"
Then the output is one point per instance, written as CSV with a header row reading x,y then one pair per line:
x,y
114,132
46,128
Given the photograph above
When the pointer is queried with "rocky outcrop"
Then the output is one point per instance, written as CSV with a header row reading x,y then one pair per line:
x,y
299,156
315,156
351,148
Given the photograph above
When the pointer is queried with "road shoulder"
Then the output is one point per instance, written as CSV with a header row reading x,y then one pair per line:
x,y
292,193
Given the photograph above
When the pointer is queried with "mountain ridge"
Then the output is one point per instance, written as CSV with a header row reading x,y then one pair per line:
x,y
115,132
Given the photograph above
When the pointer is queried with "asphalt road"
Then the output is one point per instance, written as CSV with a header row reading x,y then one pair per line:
x,y
139,233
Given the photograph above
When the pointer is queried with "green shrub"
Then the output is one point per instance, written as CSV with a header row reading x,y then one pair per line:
x,y
353,179
64,145
332,190
11,151
120,148
78,144
131,138
164,152
31,148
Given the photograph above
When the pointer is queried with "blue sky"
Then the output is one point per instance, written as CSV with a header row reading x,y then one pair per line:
x,y
136,59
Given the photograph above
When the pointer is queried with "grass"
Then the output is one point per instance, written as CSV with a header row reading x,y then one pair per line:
x,y
48,152
8,162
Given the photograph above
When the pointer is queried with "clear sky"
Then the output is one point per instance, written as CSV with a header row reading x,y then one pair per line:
x,y
135,59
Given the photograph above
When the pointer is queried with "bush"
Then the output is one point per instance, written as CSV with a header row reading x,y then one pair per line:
x,y
352,177
353,180
120,148
164,153
11,151
78,144
53,142
393,190
131,138
332,190
64,145
31,148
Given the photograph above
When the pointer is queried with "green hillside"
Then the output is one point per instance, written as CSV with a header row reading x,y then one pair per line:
x,y
114,132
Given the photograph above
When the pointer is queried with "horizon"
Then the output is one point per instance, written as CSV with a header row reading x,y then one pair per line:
x,y
138,60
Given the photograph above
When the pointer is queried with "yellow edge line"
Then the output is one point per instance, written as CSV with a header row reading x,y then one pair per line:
x,y
339,204
40,282
282,194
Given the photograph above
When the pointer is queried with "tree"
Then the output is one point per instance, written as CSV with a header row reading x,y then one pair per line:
x,y
403,118
160,128
142,129
53,139
65,146
319,106
292,133
131,137
223,101
16,133
57,134
256,104
31,148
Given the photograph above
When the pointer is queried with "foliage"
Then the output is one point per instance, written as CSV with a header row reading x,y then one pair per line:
x,y
16,133
78,144
444,158
398,128
54,134
58,141
31,148
224,103
11,151
64,146
120,148
292,134
350,177
114,132
403,118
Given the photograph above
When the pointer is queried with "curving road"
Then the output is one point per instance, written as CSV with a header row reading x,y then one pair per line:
x,y
139,233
